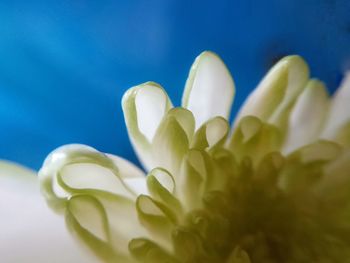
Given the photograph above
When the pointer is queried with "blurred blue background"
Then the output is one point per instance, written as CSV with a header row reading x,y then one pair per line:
x,y
64,65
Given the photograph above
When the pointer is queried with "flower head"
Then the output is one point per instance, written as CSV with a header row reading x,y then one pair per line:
x,y
274,188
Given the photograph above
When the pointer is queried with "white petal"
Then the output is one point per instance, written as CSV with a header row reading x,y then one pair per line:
x,y
216,130
73,167
30,231
138,185
308,116
339,113
209,89
150,107
133,177
126,168
164,178
144,107
275,94
170,143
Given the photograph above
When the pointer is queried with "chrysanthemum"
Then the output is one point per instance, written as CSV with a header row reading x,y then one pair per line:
x,y
275,187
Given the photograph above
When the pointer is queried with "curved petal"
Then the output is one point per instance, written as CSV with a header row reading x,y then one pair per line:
x,y
144,106
75,168
98,201
308,116
212,133
209,89
272,99
30,232
133,177
126,168
339,113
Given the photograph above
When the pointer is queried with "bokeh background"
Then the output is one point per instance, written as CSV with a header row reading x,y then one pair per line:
x,y
64,65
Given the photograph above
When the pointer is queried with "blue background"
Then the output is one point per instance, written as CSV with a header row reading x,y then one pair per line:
x,y
64,65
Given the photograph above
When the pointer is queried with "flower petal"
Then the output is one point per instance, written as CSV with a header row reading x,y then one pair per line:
x,y
133,177
336,181
209,89
343,135
171,141
147,251
76,169
339,113
253,138
272,99
161,185
157,219
105,223
126,168
193,179
144,107
30,232
212,133
308,116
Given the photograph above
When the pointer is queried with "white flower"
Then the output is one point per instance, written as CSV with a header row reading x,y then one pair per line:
x,y
274,189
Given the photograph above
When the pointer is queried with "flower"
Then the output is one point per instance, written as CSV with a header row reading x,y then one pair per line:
x,y
274,188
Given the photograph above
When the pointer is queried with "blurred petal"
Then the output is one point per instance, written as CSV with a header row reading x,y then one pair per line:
x,y
253,138
209,89
343,135
339,113
308,116
30,231
238,255
272,99
144,107
147,251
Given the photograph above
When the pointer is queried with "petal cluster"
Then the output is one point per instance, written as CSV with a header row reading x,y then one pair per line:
x,y
273,188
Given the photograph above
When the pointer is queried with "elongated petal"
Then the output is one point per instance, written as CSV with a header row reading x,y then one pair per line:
x,y
308,116
339,113
272,99
209,89
171,141
144,107
30,231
